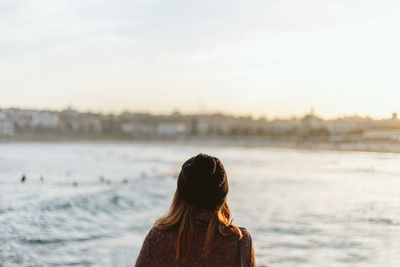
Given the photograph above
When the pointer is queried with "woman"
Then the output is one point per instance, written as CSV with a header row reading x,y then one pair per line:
x,y
198,231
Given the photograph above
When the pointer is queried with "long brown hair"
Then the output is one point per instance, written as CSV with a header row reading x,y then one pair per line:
x,y
180,216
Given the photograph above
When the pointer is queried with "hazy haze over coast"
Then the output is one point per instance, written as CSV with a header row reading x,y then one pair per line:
x,y
261,57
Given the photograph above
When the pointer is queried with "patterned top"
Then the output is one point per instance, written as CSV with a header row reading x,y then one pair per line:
x,y
158,248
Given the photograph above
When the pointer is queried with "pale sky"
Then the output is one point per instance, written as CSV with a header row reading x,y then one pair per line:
x,y
270,57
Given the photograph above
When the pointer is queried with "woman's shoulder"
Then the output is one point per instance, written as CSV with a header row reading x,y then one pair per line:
x,y
156,235
245,232
247,248
155,232
156,247
246,237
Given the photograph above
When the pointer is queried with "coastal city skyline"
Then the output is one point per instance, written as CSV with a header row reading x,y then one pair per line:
x,y
32,122
378,106
202,111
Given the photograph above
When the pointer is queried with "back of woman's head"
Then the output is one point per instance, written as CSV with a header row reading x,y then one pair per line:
x,y
202,184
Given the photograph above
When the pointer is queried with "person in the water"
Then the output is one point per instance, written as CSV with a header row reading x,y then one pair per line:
x,y
198,230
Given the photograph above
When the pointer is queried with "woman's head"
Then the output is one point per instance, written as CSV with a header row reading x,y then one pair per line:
x,y
202,184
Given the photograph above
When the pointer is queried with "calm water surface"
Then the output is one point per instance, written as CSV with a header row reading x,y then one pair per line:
x,y
97,202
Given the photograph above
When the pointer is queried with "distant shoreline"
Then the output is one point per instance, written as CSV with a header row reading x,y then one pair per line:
x,y
369,146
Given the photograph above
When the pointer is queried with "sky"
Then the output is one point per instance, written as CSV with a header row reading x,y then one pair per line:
x,y
273,58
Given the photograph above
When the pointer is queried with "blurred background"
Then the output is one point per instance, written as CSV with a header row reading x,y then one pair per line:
x,y
102,101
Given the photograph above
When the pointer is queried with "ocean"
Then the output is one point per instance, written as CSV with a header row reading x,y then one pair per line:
x,y
92,204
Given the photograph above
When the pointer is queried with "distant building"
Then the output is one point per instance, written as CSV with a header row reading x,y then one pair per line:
x,y
91,124
345,126
224,128
216,124
202,127
170,129
7,127
311,124
75,125
3,116
382,134
44,119
22,118
137,129
281,127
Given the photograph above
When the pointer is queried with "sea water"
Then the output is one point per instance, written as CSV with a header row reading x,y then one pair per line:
x,y
92,204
